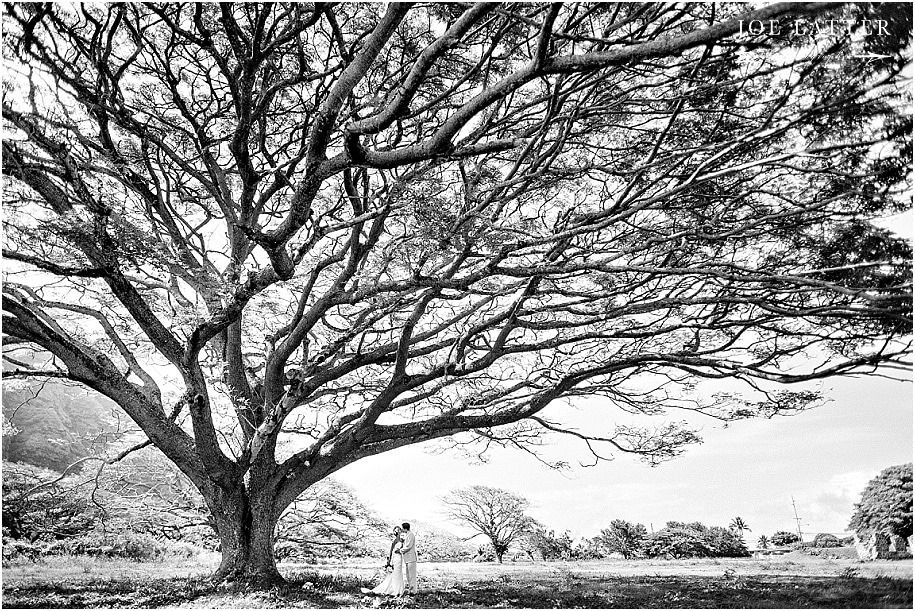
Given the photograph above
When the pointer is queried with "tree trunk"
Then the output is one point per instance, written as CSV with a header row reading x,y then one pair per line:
x,y
500,551
246,531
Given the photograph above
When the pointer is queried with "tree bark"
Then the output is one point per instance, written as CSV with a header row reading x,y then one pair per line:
x,y
246,527
500,551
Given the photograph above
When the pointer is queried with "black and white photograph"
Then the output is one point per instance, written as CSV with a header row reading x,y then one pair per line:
x,y
420,305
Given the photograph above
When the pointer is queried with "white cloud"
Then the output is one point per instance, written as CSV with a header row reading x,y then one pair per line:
x,y
828,508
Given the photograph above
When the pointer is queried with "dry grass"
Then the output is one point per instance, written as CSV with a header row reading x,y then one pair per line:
x,y
795,581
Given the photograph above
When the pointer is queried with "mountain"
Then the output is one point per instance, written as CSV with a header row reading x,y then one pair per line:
x,y
57,423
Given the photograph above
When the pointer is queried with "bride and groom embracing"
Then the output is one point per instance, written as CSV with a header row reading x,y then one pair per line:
x,y
402,555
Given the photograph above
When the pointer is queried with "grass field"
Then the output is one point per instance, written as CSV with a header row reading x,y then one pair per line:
x,y
793,581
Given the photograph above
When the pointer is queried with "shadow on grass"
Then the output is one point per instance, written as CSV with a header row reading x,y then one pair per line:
x,y
317,590
665,592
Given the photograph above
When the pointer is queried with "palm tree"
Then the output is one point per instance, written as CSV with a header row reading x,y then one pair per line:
x,y
763,542
739,525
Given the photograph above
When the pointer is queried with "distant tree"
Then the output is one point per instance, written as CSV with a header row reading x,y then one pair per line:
x,y
537,540
624,538
498,515
678,540
763,542
826,540
439,545
738,525
886,504
562,544
588,549
783,538
726,543
692,540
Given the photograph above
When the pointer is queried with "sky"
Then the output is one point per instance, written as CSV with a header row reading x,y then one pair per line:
x,y
823,458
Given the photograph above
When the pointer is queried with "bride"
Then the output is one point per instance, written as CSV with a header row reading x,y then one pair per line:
x,y
393,584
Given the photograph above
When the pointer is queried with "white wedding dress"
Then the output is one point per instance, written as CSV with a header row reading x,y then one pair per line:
x,y
393,583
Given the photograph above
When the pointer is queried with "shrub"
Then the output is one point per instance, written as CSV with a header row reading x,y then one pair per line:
x,y
18,549
40,504
129,546
136,548
826,540
784,538
285,550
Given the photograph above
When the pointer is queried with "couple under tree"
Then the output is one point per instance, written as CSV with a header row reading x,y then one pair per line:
x,y
402,555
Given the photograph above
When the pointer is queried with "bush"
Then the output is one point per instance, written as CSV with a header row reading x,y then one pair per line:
x,y
833,553
40,504
784,538
130,546
19,549
826,540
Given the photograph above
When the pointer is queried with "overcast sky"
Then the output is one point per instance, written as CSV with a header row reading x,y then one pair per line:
x,y
823,458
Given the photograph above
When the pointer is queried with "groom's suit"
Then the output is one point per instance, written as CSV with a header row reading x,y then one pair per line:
x,y
408,552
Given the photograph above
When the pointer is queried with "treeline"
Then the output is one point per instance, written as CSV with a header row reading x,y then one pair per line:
x,y
143,508
629,540
501,517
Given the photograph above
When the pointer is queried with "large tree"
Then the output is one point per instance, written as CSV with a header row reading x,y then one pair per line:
x,y
624,538
339,229
886,504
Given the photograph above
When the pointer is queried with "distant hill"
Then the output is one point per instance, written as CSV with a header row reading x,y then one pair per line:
x,y
57,423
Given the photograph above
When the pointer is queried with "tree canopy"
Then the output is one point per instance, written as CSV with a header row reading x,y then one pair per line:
x,y
695,540
625,538
886,504
286,237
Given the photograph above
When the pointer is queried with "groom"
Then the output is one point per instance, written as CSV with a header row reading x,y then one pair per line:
x,y
408,552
